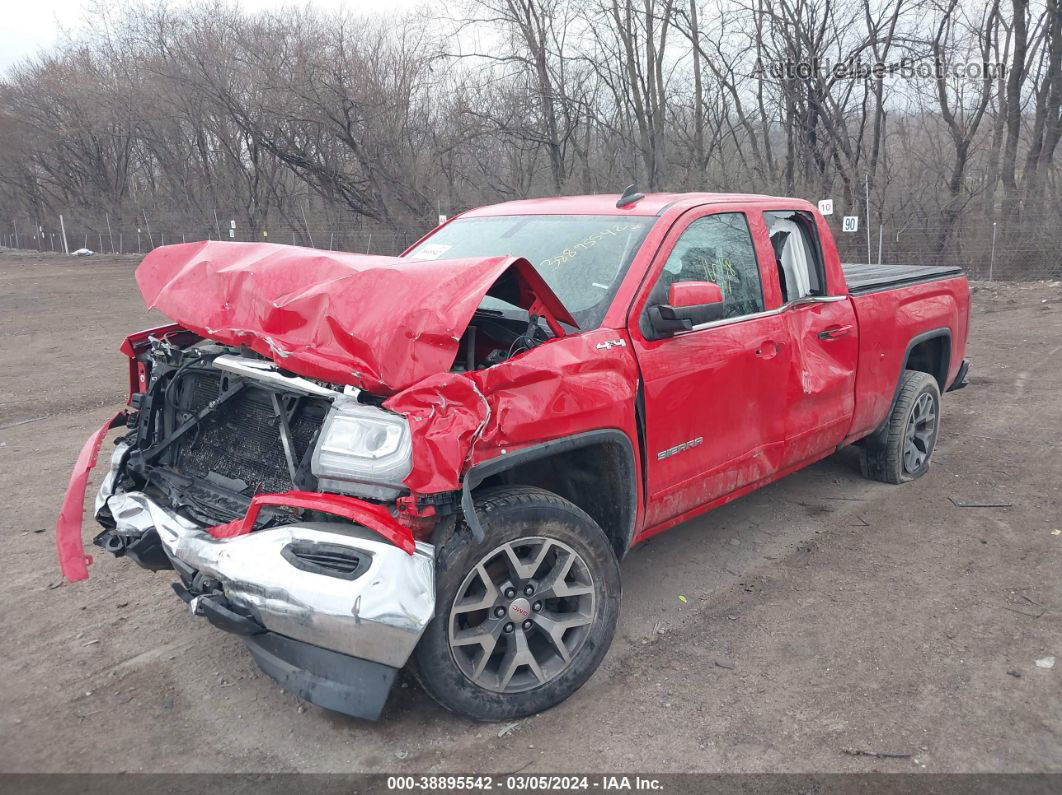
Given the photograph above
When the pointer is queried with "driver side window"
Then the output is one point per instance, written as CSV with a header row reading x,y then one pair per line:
x,y
716,248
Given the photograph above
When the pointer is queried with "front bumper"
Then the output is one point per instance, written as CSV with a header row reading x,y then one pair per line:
x,y
335,638
335,681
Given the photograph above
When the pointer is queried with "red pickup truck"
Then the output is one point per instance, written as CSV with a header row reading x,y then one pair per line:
x,y
439,459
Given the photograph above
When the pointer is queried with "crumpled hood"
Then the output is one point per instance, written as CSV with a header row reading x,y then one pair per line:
x,y
377,323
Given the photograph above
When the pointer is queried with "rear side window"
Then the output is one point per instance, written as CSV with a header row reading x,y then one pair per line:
x,y
797,254
716,248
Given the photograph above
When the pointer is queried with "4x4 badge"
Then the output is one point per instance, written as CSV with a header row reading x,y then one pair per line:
x,y
608,344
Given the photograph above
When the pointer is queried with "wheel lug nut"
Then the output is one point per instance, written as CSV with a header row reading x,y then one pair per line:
x,y
537,606
527,624
510,593
528,590
499,612
509,627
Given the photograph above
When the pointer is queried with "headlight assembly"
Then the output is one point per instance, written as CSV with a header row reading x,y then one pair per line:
x,y
362,450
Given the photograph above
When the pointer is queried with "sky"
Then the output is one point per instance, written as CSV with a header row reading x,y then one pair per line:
x,y
29,26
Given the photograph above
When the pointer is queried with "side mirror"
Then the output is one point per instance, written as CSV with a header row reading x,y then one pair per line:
x,y
688,304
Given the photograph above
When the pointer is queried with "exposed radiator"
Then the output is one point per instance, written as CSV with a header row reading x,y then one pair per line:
x,y
241,440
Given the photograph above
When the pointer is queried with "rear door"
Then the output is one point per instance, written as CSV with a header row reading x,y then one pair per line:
x,y
825,340
714,396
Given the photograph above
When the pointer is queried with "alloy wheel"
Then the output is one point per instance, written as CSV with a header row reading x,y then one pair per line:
x,y
921,431
522,614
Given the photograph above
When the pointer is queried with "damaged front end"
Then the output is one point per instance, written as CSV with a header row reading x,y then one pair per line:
x,y
266,493
293,439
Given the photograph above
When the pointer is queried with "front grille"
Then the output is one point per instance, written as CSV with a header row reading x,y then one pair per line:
x,y
333,560
240,441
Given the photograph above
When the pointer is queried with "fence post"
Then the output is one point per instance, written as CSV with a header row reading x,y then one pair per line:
x,y
151,240
866,178
62,226
992,260
303,208
110,235
15,227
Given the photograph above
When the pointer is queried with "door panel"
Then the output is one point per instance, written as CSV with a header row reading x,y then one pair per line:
x,y
715,395
825,350
715,411
824,335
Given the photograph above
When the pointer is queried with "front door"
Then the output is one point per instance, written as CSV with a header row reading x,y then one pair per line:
x,y
714,395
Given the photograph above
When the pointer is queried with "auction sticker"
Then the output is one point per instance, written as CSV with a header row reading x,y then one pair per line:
x,y
430,251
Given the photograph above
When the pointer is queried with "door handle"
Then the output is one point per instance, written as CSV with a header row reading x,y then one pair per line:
x,y
767,349
833,332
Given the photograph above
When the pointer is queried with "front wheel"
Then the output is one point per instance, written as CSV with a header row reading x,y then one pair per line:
x,y
911,434
525,617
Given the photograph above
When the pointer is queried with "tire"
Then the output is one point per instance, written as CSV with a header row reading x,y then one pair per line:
x,y
902,450
577,576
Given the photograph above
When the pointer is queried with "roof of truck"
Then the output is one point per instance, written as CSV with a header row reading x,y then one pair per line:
x,y
605,204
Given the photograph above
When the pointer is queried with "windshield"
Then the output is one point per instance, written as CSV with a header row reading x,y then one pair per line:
x,y
582,257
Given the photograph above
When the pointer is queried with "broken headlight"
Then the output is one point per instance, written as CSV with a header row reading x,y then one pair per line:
x,y
362,450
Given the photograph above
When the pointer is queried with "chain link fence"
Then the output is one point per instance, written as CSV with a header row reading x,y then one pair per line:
x,y
139,232
1022,249
1025,248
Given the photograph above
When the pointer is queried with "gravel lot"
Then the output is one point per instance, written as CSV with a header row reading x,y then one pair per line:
x,y
822,613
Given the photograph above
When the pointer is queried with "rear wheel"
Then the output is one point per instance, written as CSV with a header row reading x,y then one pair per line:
x,y
525,617
903,450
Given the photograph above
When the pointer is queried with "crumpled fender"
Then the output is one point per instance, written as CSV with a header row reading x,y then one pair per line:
x,y
378,323
561,388
446,414
68,542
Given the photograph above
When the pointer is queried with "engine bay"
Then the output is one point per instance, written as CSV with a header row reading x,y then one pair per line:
x,y
216,424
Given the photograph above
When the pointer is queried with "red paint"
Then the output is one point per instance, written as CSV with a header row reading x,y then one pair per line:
x,y
727,408
378,323
821,383
72,558
886,322
419,519
375,517
560,388
683,294
446,413
724,386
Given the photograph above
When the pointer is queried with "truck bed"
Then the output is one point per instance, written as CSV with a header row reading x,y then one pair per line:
x,y
871,278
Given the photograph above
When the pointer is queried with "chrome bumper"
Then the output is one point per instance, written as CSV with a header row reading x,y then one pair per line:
x,y
379,615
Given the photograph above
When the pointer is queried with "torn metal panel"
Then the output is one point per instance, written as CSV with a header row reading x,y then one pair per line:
x,y
68,542
378,323
446,414
563,388
370,515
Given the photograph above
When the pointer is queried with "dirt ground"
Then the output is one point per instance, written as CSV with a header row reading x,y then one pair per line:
x,y
822,613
